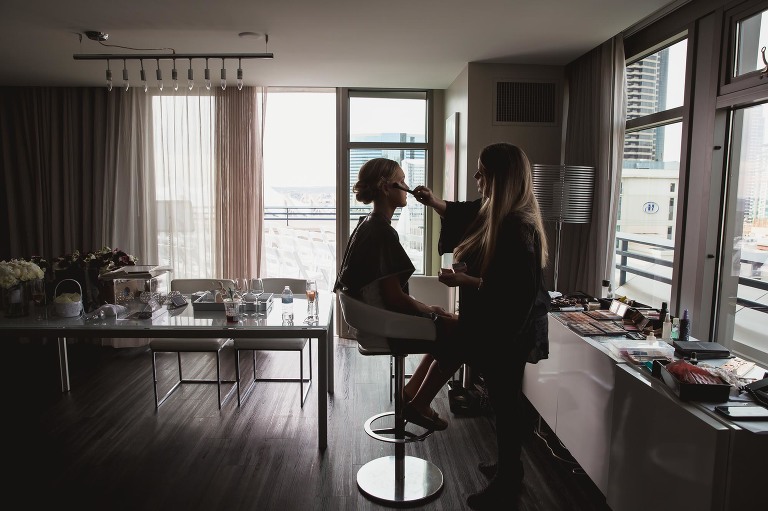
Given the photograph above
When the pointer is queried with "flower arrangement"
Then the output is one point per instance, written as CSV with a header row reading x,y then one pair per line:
x,y
104,259
16,271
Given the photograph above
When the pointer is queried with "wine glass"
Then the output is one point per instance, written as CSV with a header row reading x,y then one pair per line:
x,y
256,288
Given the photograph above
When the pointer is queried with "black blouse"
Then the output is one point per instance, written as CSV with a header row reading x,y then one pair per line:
x,y
492,317
373,252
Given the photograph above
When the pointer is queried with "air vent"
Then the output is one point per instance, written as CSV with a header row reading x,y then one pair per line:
x,y
526,103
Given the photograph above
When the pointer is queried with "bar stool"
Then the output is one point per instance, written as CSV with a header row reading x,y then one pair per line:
x,y
397,479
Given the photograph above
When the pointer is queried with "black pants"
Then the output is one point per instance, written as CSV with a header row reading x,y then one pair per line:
x,y
505,395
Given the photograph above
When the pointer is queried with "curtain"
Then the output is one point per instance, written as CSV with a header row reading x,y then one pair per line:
x,y
63,152
184,211
239,180
594,137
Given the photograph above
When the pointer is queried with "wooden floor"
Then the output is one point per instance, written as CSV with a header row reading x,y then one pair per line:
x,y
103,445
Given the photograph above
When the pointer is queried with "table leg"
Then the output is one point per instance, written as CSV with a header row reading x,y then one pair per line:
x,y
322,390
330,358
63,364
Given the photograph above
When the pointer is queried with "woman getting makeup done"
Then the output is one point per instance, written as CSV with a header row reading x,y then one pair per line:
x,y
376,269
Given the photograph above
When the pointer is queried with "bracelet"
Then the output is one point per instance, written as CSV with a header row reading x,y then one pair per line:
x,y
480,284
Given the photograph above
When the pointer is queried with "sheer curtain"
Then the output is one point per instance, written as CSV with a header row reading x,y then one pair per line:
x,y
208,175
594,137
182,131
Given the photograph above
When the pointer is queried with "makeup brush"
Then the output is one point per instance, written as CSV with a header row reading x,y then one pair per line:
x,y
399,187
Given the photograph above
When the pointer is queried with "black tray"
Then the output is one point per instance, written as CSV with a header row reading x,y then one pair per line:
x,y
714,393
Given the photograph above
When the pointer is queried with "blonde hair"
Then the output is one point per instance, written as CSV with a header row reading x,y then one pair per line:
x,y
509,190
372,175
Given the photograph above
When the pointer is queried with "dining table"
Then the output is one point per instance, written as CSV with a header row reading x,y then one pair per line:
x,y
191,321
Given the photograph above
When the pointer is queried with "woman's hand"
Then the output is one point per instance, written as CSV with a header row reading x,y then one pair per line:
x,y
453,279
424,195
440,311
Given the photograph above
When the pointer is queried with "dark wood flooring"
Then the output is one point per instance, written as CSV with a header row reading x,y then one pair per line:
x,y
103,446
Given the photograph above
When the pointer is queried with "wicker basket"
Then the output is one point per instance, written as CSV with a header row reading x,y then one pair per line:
x,y
68,309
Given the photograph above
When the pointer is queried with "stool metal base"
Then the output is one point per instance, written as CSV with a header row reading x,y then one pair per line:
x,y
422,480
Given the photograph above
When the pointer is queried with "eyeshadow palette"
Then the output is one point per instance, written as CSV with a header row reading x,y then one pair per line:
x,y
583,324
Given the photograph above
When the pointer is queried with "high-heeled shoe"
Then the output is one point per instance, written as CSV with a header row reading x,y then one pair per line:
x,y
497,495
432,422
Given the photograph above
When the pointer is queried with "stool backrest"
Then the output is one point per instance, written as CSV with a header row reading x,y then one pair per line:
x,y
429,290
277,284
375,325
187,286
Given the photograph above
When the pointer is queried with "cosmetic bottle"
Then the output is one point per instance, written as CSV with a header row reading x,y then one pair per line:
x,y
685,326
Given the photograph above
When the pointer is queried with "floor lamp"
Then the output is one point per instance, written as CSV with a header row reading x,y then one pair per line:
x,y
565,194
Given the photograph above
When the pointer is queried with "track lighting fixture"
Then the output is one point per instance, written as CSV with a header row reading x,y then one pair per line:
x,y
126,85
100,37
239,74
109,77
175,76
223,76
207,76
190,77
143,76
159,76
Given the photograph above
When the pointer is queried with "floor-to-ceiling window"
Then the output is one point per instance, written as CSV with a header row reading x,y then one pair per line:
x,y
648,201
300,185
741,310
390,124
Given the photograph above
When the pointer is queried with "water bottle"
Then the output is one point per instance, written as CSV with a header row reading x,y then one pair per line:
x,y
287,299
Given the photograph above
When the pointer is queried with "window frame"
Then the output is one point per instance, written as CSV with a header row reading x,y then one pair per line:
x,y
728,83
345,146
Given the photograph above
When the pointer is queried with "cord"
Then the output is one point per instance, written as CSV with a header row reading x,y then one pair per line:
x,y
130,48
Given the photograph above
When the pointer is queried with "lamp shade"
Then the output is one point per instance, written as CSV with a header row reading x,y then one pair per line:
x,y
564,192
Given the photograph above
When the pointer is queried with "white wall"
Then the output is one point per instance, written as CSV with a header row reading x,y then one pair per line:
x,y
540,142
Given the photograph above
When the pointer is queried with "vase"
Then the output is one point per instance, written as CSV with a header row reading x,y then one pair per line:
x,y
16,300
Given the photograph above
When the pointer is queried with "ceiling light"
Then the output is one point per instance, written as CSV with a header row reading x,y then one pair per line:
x,y
100,37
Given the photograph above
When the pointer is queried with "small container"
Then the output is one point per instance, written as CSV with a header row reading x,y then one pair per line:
x,y
607,289
666,329
232,310
685,326
675,333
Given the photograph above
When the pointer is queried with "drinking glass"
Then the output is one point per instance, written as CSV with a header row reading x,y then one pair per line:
x,y
38,297
311,290
257,286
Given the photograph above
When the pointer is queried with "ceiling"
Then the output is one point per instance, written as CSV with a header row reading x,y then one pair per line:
x,y
354,43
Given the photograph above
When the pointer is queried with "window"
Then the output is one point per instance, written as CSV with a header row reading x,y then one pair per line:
x,y
752,36
299,237
391,124
743,296
645,247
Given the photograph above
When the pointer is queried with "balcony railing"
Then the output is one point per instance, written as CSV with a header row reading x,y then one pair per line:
x,y
627,245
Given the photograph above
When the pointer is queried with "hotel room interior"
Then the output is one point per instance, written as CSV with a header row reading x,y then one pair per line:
x,y
222,140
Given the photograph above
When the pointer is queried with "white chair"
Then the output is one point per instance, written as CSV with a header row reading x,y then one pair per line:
x,y
276,285
397,479
429,290
191,345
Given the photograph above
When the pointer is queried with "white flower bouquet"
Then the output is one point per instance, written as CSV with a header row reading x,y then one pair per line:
x,y
16,271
